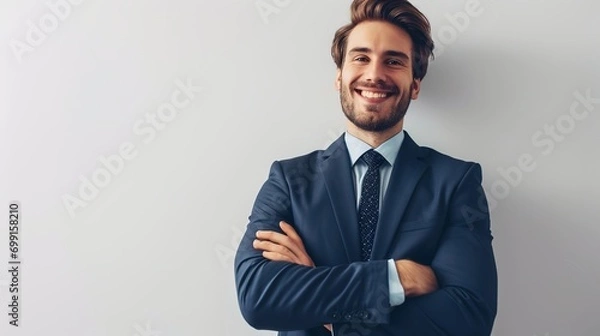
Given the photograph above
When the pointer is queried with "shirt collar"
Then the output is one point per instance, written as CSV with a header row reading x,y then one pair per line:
x,y
389,149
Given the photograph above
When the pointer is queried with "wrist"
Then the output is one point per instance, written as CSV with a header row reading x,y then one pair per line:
x,y
405,278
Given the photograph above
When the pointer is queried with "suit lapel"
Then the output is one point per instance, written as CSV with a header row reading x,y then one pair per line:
x,y
406,172
337,172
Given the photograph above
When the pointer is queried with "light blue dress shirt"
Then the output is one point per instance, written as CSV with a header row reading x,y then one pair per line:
x,y
389,150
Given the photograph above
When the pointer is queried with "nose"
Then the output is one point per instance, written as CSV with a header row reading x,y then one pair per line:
x,y
375,73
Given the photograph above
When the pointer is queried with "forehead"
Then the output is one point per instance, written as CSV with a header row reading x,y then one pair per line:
x,y
379,36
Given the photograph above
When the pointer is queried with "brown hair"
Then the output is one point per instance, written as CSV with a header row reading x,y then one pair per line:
x,y
400,13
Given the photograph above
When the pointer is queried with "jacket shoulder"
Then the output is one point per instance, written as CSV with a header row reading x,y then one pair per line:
x,y
304,160
441,162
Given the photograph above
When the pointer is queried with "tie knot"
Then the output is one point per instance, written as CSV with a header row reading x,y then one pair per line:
x,y
373,159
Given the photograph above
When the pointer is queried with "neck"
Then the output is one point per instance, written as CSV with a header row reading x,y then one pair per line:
x,y
374,139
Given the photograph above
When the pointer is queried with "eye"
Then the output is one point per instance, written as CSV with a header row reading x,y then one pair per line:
x,y
360,59
395,62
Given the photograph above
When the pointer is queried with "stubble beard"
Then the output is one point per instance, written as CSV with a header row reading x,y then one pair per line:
x,y
389,119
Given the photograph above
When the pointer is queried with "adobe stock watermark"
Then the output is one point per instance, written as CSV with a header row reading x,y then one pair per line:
x,y
458,23
146,128
299,178
38,30
446,35
145,330
267,8
546,139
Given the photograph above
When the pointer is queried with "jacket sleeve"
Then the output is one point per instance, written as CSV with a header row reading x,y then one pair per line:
x,y
465,303
284,296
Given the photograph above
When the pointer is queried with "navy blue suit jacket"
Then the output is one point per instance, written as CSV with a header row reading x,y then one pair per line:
x,y
434,213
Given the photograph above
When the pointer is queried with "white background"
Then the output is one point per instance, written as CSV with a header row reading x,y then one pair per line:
x,y
150,253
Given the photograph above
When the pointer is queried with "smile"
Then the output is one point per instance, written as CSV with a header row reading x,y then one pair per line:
x,y
373,96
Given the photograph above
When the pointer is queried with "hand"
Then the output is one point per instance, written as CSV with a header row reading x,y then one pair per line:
x,y
284,247
416,279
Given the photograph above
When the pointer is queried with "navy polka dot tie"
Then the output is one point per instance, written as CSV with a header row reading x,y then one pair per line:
x,y
368,208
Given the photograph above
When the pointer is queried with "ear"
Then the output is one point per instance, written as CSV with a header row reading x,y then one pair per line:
x,y
416,86
338,79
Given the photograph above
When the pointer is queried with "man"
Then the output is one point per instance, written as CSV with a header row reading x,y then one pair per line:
x,y
374,235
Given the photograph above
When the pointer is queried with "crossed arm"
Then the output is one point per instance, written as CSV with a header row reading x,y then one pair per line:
x,y
283,291
416,279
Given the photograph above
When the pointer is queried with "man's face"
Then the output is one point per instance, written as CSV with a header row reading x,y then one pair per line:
x,y
376,80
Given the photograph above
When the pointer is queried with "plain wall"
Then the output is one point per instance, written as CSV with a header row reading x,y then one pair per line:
x,y
150,251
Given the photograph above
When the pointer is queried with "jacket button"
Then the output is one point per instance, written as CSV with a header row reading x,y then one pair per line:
x,y
348,317
335,315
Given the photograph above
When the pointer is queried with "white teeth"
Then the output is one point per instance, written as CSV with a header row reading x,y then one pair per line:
x,y
371,94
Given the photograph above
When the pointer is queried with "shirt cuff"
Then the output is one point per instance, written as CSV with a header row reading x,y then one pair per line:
x,y
396,289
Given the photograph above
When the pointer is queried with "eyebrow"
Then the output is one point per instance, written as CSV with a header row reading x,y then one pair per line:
x,y
394,53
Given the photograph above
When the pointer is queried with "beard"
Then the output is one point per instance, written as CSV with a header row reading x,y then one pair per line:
x,y
389,118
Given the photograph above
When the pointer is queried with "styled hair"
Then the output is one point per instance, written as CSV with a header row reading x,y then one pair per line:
x,y
400,13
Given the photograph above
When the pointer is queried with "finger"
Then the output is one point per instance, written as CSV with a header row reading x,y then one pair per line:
x,y
273,236
274,256
289,230
268,246
282,240
282,250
